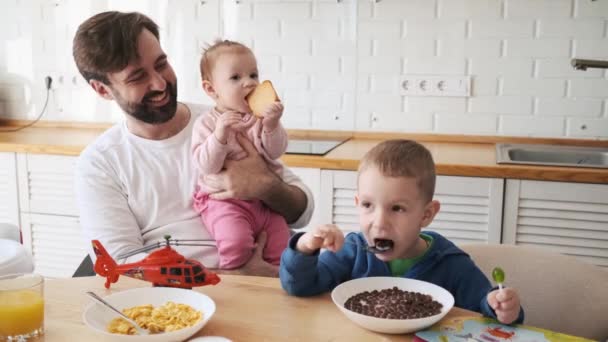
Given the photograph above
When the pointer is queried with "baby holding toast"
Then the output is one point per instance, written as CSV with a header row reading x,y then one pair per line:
x,y
243,107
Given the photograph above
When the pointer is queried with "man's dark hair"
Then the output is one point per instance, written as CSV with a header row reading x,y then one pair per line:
x,y
107,42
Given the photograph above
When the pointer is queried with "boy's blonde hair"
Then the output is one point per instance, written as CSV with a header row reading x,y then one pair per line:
x,y
403,158
213,51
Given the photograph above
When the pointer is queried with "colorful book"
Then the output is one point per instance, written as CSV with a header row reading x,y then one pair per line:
x,y
482,329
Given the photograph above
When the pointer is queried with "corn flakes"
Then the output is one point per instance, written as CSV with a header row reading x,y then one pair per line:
x,y
168,317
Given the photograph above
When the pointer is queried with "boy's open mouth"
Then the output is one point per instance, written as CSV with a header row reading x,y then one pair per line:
x,y
383,245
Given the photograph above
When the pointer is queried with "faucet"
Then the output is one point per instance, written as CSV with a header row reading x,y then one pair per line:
x,y
583,64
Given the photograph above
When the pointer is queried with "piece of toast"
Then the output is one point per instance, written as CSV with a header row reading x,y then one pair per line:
x,y
263,95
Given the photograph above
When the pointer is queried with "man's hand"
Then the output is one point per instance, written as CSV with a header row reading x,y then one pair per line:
x,y
243,179
327,236
256,266
226,123
505,303
250,177
272,114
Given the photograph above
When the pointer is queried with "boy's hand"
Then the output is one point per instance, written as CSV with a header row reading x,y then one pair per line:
x,y
226,123
325,236
505,303
271,116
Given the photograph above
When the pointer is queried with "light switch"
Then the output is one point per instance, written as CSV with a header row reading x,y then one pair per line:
x,y
435,85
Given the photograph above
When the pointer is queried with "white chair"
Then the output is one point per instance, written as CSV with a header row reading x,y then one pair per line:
x,y
14,258
558,292
9,231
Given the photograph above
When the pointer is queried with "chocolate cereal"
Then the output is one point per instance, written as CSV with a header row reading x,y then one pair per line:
x,y
393,304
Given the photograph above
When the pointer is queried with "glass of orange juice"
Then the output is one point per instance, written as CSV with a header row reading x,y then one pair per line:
x,y
21,306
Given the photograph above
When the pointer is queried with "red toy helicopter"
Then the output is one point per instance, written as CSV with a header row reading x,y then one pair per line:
x,y
164,267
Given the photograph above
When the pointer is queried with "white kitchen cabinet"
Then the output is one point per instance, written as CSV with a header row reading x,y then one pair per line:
x,y
570,218
48,213
46,184
337,199
56,243
312,178
471,208
9,203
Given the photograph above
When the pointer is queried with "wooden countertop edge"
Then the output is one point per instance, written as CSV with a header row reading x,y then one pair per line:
x,y
530,172
41,149
333,134
582,175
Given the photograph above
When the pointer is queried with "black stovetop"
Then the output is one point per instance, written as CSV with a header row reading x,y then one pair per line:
x,y
312,147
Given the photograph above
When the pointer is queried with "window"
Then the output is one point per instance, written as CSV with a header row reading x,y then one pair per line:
x,y
175,271
163,270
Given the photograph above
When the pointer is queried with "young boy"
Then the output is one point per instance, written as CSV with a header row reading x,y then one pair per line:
x,y
229,73
395,201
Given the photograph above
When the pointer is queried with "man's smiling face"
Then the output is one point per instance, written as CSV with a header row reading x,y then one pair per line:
x,y
147,88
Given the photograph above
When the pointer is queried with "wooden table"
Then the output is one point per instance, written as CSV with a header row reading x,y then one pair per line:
x,y
248,309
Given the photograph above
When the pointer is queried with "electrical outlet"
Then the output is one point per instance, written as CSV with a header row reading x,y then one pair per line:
x,y
435,85
65,80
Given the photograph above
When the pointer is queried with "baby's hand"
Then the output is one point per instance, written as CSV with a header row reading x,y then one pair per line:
x,y
325,236
271,116
225,123
505,303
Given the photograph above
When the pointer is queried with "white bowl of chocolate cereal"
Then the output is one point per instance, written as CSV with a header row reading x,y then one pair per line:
x,y
392,305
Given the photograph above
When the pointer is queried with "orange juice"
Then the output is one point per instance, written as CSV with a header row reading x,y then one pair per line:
x,y
21,312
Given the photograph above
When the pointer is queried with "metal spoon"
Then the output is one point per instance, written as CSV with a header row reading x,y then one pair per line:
x,y
372,249
139,329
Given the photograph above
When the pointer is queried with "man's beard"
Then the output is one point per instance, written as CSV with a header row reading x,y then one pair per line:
x,y
146,112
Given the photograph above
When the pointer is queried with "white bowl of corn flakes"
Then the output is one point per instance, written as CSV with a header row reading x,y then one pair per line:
x,y
170,314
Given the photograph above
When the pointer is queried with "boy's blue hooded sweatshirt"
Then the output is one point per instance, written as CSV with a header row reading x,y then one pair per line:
x,y
444,265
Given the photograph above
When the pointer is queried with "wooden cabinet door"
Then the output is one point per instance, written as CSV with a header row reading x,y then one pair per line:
x,y
46,184
337,199
9,198
312,178
570,218
56,243
471,209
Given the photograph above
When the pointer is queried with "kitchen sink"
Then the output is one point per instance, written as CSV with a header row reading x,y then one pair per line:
x,y
554,155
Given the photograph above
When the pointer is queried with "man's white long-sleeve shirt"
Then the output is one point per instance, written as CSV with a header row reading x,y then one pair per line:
x,y
132,191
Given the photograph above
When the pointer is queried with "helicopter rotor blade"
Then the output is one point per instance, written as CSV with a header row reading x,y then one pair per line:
x,y
197,244
174,242
140,250
203,240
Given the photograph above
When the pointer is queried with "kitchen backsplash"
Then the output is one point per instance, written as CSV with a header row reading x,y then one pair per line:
x,y
340,64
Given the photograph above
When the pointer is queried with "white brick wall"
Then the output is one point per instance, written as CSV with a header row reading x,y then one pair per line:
x,y
470,9
468,124
531,126
338,64
538,9
569,107
502,104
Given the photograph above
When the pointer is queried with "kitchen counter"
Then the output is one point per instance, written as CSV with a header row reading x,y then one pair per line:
x,y
456,155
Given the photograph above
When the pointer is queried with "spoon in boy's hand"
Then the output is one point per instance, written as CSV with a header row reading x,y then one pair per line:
x,y
379,247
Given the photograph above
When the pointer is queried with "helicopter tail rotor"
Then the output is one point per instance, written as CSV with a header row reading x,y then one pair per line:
x,y
105,266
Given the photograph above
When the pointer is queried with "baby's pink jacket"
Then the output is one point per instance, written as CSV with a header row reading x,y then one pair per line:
x,y
209,154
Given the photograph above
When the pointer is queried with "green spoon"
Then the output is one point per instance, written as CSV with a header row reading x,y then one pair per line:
x,y
499,276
